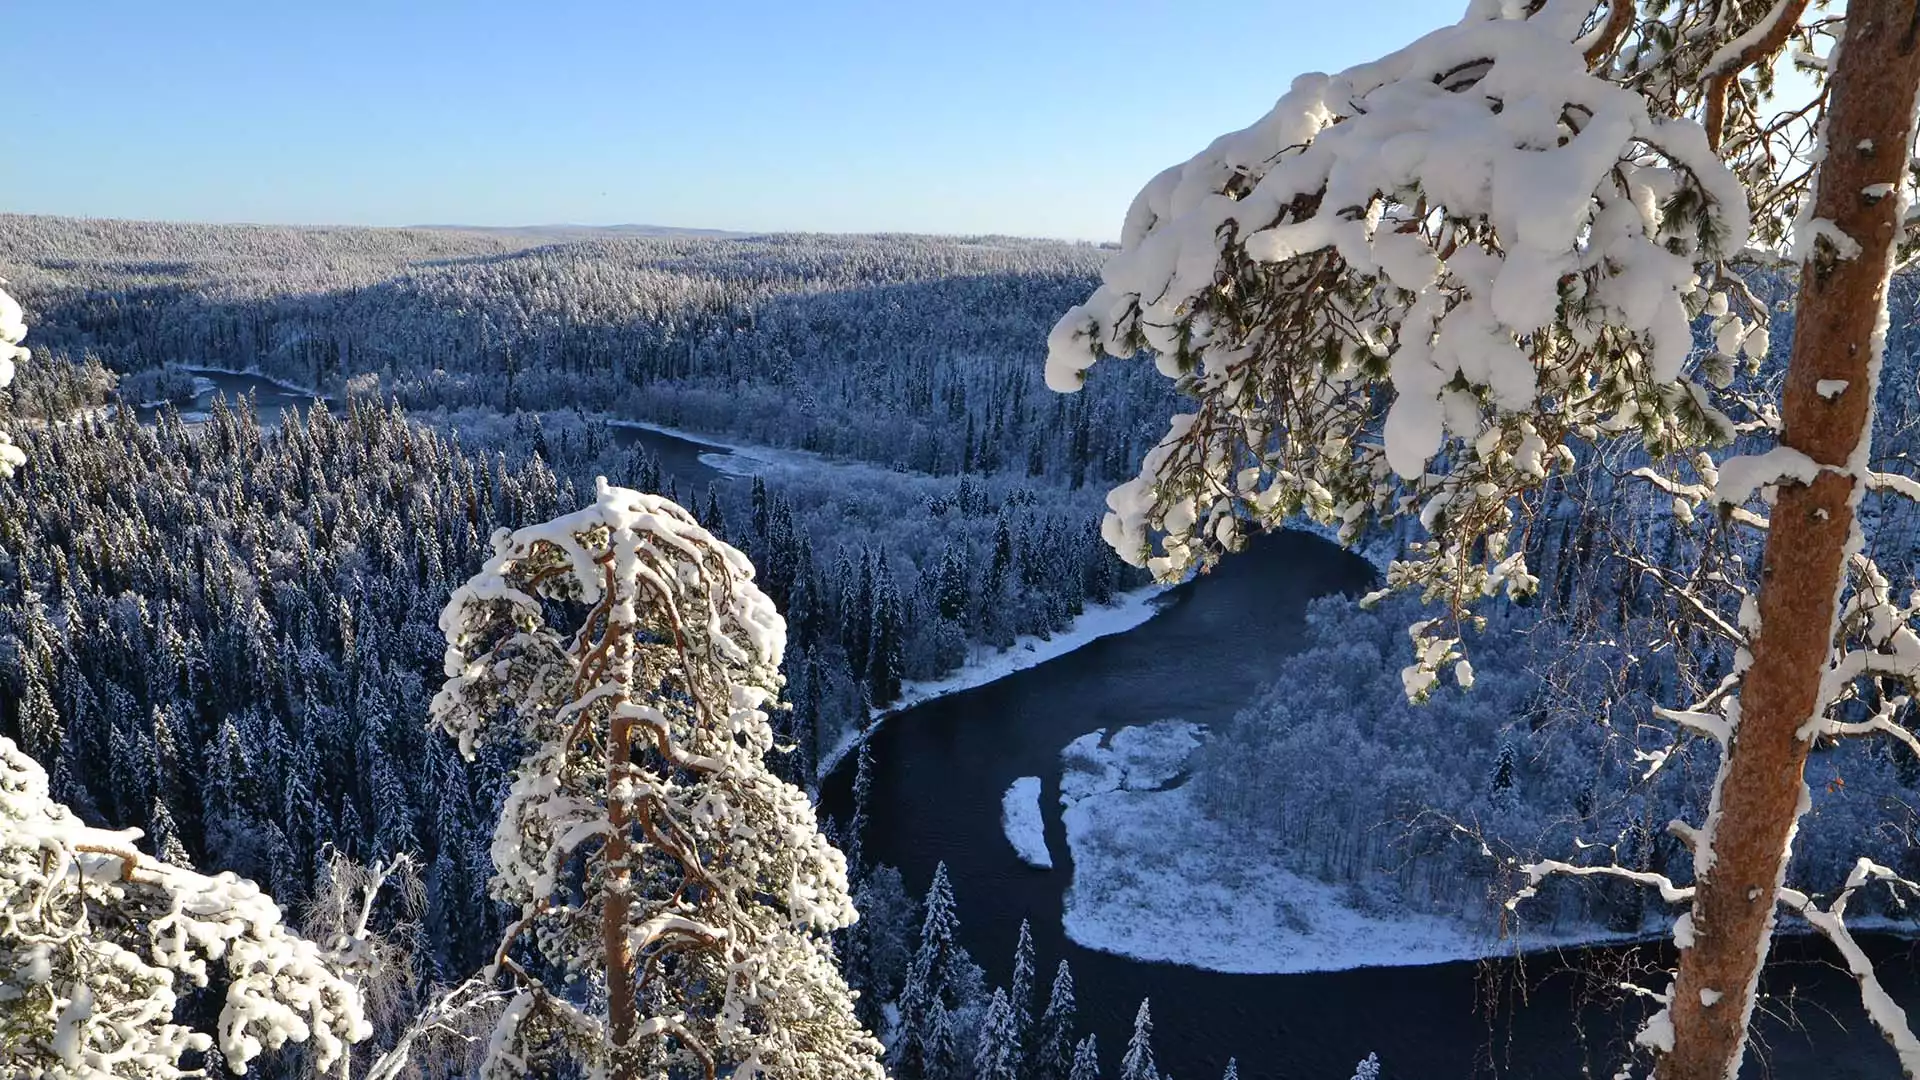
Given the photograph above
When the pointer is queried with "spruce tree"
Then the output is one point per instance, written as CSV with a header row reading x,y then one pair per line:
x,y
862,799
759,519
1020,989
998,1055
1052,1051
929,989
1503,790
885,658
1137,1062
1086,1061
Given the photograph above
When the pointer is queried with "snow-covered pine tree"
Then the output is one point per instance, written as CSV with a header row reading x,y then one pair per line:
x,y
101,942
938,1036
1368,1069
1051,1056
997,1057
1086,1060
649,850
1137,1062
862,799
929,991
1233,1070
1569,187
13,330
885,659
1020,988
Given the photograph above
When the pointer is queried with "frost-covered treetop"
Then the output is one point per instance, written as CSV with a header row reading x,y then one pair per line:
x,y
95,938
645,842
650,565
1405,287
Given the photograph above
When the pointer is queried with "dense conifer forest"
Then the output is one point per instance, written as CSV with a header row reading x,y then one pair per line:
x,y
224,633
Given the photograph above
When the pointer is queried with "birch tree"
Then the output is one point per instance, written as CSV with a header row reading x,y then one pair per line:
x,y
1415,288
675,896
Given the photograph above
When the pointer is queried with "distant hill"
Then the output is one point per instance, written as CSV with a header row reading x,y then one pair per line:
x,y
558,233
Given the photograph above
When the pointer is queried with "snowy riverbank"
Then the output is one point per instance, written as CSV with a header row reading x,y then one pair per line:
x,y
289,388
740,460
985,664
1155,879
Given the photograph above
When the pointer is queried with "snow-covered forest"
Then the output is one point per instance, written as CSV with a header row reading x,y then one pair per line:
x,y
911,351
244,617
452,725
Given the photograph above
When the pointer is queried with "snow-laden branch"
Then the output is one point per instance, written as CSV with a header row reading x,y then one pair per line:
x,y
1538,872
1504,250
1831,922
454,1015
13,330
96,938
1895,483
1762,39
1881,723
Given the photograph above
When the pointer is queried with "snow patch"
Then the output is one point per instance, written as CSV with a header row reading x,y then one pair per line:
x,y
1741,476
1155,879
1026,830
1808,234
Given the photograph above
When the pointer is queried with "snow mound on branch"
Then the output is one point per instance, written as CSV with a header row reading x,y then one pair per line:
x,y
1026,830
101,941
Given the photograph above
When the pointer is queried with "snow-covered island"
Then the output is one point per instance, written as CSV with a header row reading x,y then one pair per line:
x,y
1026,830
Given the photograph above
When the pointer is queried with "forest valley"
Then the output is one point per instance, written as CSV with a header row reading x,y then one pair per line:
x,y
1624,405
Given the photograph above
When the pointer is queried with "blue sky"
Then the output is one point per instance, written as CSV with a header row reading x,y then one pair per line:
x,y
1036,118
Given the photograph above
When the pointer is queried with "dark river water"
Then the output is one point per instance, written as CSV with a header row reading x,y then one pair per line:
x,y
942,767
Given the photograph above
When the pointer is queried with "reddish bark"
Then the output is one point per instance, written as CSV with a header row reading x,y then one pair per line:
x,y
1840,302
617,889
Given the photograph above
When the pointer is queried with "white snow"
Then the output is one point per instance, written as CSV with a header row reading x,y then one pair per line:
x,y
1830,388
1809,232
1155,879
1025,828
985,665
736,459
1472,116
1741,476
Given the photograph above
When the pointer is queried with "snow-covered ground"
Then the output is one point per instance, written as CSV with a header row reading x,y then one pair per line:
x,y
738,459
985,664
1155,879
1026,830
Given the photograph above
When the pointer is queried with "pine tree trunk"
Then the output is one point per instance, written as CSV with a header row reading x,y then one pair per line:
x,y
615,905
1840,307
